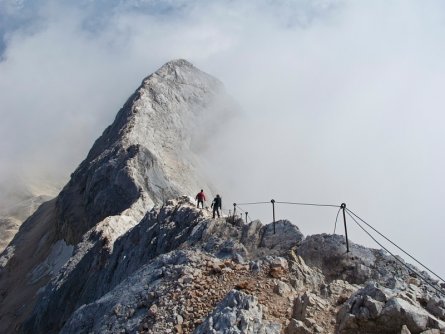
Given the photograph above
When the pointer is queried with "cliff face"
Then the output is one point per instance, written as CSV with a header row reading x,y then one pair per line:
x,y
149,153
180,271
145,157
123,248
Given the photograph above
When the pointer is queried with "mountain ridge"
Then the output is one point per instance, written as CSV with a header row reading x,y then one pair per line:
x,y
124,249
143,158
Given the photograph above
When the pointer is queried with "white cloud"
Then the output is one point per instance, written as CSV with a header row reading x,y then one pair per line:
x,y
343,99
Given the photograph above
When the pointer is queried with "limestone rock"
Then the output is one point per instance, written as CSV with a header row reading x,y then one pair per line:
x,y
306,305
145,157
286,235
297,327
405,330
436,306
375,309
124,249
282,289
133,164
361,264
237,313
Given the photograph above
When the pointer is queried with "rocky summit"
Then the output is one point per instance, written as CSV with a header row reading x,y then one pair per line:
x,y
124,249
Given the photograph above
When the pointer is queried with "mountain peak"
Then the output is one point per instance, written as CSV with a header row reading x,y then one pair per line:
x,y
178,63
181,71
139,266
147,154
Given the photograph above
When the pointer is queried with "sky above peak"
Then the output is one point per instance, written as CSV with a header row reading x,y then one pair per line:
x,y
342,100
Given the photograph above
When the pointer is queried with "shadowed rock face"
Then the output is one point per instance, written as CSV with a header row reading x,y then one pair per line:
x,y
147,154
145,157
179,225
178,267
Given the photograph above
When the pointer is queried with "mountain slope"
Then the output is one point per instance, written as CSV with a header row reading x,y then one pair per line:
x,y
146,156
181,271
106,257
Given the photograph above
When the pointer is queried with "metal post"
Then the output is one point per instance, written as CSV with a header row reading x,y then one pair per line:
x,y
343,206
273,213
246,217
234,213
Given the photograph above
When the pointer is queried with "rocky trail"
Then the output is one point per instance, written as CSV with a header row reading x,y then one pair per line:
x,y
226,278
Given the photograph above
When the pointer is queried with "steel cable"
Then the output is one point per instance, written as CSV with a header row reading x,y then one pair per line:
x,y
336,218
395,257
418,262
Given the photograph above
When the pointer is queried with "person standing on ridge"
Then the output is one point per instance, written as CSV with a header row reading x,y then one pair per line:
x,y
216,205
200,198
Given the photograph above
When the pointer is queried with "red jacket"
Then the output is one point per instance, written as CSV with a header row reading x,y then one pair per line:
x,y
201,196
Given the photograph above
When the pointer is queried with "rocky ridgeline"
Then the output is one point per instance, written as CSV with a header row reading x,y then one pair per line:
x,y
148,154
105,257
180,271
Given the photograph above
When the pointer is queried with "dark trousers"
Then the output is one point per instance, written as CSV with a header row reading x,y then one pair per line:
x,y
202,203
215,209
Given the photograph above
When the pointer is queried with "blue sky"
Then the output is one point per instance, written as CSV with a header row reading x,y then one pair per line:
x,y
342,100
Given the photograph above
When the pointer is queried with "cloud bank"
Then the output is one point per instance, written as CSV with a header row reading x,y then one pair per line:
x,y
342,100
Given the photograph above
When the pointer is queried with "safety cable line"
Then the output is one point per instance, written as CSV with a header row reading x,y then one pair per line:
x,y
336,218
241,209
294,203
397,246
395,257
248,216
252,203
310,204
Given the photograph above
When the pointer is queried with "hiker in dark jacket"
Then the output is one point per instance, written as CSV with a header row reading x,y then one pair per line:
x,y
216,205
200,198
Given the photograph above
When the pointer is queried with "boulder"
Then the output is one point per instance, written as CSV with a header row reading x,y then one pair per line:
x,y
297,327
285,236
238,313
375,309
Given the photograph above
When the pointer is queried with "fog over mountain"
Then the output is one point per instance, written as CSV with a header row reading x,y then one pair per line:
x,y
121,249
342,101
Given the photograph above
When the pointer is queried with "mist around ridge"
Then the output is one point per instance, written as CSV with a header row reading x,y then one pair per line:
x,y
341,102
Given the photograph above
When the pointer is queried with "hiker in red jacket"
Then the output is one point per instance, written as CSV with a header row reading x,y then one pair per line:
x,y
201,198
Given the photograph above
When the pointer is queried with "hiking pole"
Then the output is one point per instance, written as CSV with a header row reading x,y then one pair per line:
x,y
343,207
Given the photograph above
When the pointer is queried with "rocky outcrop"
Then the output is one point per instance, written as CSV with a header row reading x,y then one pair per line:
x,y
328,253
119,252
148,155
178,225
375,309
238,313
177,270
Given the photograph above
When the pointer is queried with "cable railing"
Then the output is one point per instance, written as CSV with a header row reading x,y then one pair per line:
x,y
355,218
